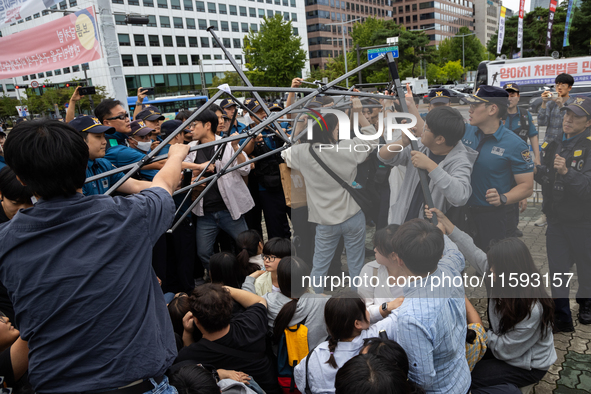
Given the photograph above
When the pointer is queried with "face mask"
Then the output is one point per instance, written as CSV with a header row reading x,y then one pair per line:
x,y
144,146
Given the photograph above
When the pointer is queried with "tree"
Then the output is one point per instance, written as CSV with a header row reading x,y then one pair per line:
x,y
231,78
473,50
453,70
435,74
8,106
274,53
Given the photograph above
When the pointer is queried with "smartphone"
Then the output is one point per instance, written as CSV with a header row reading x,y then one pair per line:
x,y
150,91
187,174
86,90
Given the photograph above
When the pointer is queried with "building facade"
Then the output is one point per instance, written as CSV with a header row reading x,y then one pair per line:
x,y
539,3
173,51
324,19
486,18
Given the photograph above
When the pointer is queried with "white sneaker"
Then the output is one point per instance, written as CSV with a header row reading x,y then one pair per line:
x,y
541,222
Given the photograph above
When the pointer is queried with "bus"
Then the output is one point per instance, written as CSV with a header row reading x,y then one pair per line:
x,y
171,105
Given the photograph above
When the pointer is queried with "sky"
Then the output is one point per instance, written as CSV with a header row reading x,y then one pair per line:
x,y
514,5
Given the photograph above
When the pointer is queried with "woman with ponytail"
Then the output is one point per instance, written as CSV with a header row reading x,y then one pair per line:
x,y
347,321
249,246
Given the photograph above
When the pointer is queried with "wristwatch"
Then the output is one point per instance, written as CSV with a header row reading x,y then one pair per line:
x,y
503,199
385,306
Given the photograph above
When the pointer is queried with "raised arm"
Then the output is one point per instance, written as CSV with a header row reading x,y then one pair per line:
x,y
71,111
245,298
170,175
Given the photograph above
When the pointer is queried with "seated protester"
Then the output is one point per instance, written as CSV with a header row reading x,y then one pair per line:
x,y
274,250
432,319
233,343
368,373
177,309
190,378
249,245
230,107
448,162
93,133
14,196
264,181
224,205
183,116
383,268
347,321
395,356
521,318
14,356
224,270
76,346
475,336
295,303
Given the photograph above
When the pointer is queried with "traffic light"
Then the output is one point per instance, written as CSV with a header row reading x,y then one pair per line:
x,y
67,85
17,87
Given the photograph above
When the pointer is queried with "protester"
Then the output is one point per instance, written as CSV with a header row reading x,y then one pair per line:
x,y
440,153
183,116
54,237
2,140
565,176
274,250
250,248
193,378
368,373
503,161
224,269
14,356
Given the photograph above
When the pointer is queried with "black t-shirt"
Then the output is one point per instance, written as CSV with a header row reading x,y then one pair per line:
x,y
6,368
418,199
245,344
5,303
213,201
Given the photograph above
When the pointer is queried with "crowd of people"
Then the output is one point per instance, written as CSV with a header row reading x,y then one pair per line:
x,y
96,295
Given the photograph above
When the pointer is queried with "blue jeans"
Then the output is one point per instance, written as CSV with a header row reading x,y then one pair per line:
x,y
327,239
208,227
162,388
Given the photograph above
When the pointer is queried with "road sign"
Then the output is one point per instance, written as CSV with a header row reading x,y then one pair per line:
x,y
373,53
34,84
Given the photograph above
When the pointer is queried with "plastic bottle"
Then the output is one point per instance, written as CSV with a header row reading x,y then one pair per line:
x,y
356,185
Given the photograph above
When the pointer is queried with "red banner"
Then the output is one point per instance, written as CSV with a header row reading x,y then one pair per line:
x,y
550,24
67,41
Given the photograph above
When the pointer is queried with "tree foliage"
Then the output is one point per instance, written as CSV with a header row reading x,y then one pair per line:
x,y
474,51
273,55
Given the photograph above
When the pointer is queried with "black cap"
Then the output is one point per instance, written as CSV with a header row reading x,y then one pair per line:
x,y
488,94
139,128
511,87
168,127
150,113
226,103
314,103
253,104
439,96
275,107
581,106
90,124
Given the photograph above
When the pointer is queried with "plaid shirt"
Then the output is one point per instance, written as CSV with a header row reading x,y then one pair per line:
x,y
476,350
551,116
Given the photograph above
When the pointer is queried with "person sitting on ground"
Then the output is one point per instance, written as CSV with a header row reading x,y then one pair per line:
x,y
224,269
475,336
520,341
190,378
273,251
231,342
385,269
249,245
448,162
347,321
368,373
14,355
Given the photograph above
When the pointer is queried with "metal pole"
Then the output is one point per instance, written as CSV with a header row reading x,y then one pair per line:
x,y
463,62
345,54
359,63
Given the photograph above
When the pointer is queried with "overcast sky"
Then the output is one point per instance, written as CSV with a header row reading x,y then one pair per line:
x,y
514,5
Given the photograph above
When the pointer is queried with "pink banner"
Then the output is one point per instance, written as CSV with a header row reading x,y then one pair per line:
x,y
67,41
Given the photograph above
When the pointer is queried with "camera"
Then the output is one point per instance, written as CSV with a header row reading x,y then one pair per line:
x,y
86,90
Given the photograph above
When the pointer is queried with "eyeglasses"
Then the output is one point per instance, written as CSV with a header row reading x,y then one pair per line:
x,y
560,84
120,117
269,257
474,106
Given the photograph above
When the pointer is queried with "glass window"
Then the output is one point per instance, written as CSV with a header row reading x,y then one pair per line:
x,y
252,12
200,6
214,24
152,20
59,71
175,4
224,25
178,22
164,21
170,60
25,77
244,27
75,68
133,2
235,27
195,60
167,41
211,8
73,3
223,9
238,57
154,41
156,60
227,43
269,13
37,15
236,42
180,41
233,10
294,17
285,3
120,19
124,40
188,4
162,4
293,3
202,24
40,75
206,57
217,57
183,60
142,60
193,42
254,27
242,11
139,40
127,60
204,42
191,23
296,31
261,13
49,73
286,16
148,3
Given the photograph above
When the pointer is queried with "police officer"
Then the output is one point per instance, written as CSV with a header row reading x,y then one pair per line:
x,y
504,160
521,123
437,98
565,176
230,107
153,119
94,134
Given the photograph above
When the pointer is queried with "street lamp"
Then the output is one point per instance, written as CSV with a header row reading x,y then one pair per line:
x,y
344,43
464,35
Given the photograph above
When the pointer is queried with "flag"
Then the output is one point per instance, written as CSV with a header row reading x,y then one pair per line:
x,y
501,30
572,4
520,24
553,4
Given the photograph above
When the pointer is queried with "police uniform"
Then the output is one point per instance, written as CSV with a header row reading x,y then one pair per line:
x,y
567,205
502,155
264,183
235,128
437,96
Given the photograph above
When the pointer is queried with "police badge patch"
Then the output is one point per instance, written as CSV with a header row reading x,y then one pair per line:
x,y
526,155
105,183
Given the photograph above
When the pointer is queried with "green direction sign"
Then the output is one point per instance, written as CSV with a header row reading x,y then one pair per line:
x,y
373,53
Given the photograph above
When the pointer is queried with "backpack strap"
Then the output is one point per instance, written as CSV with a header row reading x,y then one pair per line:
x,y
330,172
307,389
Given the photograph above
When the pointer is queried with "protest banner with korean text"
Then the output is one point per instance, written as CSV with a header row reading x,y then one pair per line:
x,y
539,72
